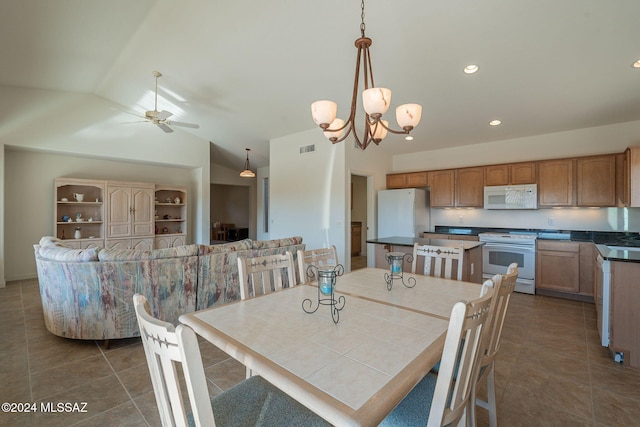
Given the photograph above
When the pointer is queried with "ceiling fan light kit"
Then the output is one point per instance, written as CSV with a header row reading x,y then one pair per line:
x,y
376,102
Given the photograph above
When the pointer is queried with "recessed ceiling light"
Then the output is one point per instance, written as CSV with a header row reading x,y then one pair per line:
x,y
470,69
495,122
408,138
636,64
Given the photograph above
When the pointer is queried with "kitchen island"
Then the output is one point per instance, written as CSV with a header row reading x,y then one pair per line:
x,y
471,266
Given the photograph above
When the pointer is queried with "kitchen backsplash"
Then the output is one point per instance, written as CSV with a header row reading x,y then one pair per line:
x,y
592,219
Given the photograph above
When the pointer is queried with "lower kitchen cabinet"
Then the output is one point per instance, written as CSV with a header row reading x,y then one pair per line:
x,y
624,315
565,269
471,267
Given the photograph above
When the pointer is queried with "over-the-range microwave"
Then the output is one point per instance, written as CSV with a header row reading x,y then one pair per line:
x,y
511,196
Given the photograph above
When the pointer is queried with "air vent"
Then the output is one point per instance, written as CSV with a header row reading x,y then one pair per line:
x,y
307,149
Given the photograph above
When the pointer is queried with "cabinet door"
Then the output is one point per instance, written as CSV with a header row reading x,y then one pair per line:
x,y
596,181
555,186
523,173
143,211
417,179
470,187
396,180
119,204
142,244
587,268
442,184
622,179
558,266
497,175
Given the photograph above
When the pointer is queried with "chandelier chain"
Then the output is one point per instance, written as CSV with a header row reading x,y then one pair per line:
x,y
362,18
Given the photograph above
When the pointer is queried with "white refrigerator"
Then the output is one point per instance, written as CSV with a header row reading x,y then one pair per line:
x,y
403,212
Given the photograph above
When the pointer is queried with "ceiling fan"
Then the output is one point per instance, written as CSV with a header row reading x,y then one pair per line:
x,y
160,118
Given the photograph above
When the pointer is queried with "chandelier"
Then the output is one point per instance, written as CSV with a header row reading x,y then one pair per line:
x,y
247,172
376,101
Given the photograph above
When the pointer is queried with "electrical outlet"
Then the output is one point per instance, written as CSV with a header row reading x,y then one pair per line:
x,y
460,219
551,221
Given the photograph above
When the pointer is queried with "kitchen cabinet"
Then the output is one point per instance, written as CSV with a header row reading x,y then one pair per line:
x,y
511,174
622,179
632,177
556,183
356,238
130,213
565,269
558,266
624,315
442,187
596,181
407,180
471,264
469,187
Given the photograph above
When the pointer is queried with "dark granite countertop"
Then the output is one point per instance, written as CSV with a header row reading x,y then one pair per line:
x,y
409,241
611,238
619,253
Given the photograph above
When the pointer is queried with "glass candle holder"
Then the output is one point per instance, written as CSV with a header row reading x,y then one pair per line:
x,y
326,279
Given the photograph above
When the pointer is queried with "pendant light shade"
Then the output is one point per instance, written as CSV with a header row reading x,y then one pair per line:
x,y
247,172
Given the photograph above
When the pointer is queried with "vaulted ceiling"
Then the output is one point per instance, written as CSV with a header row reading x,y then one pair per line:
x,y
247,72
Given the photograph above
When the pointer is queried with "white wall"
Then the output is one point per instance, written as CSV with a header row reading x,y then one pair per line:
x,y
308,191
81,127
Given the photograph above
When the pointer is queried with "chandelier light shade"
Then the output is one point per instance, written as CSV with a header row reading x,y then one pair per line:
x,y
376,102
247,172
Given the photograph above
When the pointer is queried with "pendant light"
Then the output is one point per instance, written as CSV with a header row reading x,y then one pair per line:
x,y
247,172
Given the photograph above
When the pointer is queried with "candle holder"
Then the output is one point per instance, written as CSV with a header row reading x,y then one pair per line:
x,y
396,261
326,277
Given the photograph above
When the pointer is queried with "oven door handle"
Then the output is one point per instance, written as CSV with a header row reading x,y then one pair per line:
x,y
510,246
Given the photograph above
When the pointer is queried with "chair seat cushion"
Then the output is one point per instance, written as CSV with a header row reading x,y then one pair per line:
x,y
414,409
256,402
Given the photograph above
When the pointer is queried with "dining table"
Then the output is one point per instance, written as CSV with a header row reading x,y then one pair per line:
x,y
353,371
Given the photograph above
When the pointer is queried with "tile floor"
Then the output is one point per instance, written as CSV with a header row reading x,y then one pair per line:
x,y
551,370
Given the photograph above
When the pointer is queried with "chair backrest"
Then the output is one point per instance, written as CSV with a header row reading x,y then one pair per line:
x,y
318,257
459,365
502,298
439,260
265,274
164,347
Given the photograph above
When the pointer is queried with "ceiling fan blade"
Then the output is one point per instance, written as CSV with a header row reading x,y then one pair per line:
x,y
164,114
183,124
164,127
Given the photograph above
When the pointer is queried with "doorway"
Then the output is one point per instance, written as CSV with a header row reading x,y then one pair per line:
x,y
231,207
359,224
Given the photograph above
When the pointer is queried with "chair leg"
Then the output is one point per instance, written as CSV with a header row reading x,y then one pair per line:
x,y
491,396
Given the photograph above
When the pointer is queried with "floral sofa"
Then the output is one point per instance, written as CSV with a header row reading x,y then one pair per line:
x,y
88,293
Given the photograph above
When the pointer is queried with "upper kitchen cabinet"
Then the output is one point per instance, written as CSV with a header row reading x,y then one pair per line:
x,y
555,183
596,181
407,180
442,188
511,174
470,187
632,177
622,178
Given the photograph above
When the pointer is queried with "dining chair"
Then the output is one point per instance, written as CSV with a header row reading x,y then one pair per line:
x,y
439,400
265,274
439,260
253,401
319,257
502,296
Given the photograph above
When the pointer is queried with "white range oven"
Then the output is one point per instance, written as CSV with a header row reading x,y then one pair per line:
x,y
501,249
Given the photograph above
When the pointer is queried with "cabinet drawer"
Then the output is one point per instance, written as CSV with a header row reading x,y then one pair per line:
x,y
558,246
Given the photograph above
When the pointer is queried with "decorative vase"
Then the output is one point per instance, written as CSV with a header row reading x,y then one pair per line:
x,y
77,234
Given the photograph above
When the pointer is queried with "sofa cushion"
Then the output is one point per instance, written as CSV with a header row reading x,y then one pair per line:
x,y
240,245
61,253
113,254
52,241
276,243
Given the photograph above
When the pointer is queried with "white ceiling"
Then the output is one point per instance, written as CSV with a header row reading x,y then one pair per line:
x,y
247,71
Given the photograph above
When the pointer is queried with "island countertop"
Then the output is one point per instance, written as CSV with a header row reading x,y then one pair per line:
x,y
409,241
